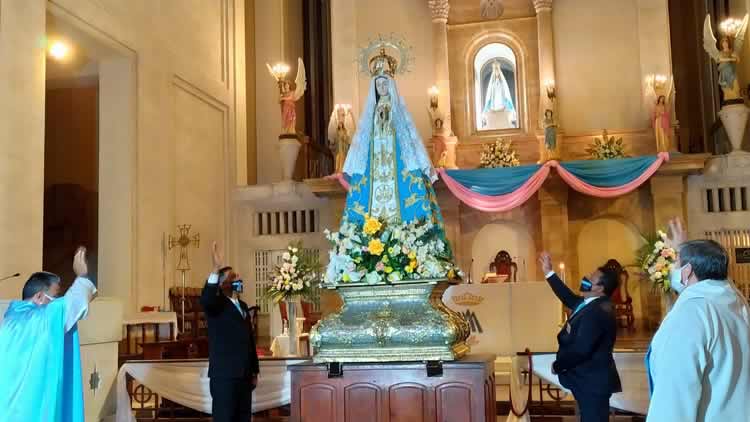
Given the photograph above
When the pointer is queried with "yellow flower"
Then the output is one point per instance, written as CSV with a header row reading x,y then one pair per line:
x,y
385,259
372,225
375,247
412,255
388,270
451,274
346,277
409,269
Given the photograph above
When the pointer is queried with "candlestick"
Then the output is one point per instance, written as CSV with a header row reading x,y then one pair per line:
x,y
550,88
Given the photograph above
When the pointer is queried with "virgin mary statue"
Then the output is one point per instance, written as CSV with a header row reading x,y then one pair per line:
x,y
499,112
390,173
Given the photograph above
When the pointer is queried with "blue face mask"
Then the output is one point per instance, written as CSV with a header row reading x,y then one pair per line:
x,y
586,285
675,279
238,286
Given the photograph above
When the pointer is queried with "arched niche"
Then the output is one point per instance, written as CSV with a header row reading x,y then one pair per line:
x,y
611,238
496,68
506,236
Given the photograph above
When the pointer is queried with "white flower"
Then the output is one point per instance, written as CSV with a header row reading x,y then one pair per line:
x,y
658,275
394,276
286,256
372,277
294,250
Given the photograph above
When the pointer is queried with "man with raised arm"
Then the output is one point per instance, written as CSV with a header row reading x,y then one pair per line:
x,y
40,364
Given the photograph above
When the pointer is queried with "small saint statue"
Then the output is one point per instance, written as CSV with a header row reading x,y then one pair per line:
x,y
549,146
289,93
662,123
340,130
726,55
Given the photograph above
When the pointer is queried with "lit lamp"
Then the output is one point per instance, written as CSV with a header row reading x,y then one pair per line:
x,y
730,26
58,50
433,92
550,87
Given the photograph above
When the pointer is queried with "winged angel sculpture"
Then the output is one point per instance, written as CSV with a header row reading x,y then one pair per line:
x,y
726,54
289,93
341,128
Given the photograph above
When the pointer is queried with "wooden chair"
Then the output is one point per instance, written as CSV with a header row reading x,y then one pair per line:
x,y
621,297
311,318
503,266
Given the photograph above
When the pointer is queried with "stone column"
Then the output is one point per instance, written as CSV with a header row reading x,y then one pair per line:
x,y
22,91
442,140
546,50
553,201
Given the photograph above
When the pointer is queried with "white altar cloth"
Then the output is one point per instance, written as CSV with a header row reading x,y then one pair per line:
x,y
161,318
630,365
280,346
186,382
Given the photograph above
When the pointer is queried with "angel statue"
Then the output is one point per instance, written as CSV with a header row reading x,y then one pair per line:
x,y
498,112
390,174
289,93
726,55
340,130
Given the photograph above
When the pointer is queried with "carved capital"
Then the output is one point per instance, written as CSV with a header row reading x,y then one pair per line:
x,y
439,9
542,6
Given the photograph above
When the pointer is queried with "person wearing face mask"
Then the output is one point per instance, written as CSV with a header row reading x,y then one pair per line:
x,y
233,365
584,362
698,360
40,365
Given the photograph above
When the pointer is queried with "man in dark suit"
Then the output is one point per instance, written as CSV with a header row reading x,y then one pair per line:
x,y
584,361
232,359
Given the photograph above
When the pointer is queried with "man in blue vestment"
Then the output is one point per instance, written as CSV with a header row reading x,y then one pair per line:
x,y
40,368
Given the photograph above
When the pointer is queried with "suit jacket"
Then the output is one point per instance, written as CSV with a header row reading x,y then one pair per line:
x,y
584,358
231,343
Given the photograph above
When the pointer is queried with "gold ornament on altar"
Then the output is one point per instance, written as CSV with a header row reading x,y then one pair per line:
x,y
374,58
467,299
726,54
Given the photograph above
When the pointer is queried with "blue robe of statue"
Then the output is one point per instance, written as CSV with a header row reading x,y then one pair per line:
x,y
40,365
389,171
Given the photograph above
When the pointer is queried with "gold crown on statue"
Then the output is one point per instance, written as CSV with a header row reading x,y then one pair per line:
x,y
467,299
375,60
383,64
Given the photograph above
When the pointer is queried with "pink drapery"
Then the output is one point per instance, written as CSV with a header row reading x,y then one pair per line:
x,y
497,203
507,202
591,190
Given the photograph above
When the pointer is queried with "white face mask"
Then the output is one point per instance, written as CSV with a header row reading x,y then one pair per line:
x,y
675,279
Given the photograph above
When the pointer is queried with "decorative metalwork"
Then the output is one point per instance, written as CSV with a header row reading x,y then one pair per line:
x,y
379,46
403,321
184,241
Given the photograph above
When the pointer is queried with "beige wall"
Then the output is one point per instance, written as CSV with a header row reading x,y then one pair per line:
x,y
597,64
354,25
187,152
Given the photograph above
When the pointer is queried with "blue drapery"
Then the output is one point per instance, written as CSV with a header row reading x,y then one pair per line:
x,y
494,181
598,173
609,173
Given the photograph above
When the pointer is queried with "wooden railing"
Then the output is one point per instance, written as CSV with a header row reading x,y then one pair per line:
x,y
314,160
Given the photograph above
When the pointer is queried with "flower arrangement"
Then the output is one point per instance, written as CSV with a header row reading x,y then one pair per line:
x,y
378,253
499,154
606,148
656,258
295,276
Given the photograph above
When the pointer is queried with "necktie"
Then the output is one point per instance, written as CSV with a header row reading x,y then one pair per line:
x,y
578,308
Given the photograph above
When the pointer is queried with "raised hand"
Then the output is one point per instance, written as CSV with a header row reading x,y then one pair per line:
x,y
217,257
677,234
80,266
545,260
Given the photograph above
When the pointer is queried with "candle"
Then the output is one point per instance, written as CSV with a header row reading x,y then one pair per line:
x,y
433,92
562,271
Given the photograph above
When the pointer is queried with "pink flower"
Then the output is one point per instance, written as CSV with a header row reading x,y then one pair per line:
x,y
379,266
665,253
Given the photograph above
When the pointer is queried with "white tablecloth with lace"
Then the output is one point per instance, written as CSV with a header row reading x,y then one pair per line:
x,y
187,383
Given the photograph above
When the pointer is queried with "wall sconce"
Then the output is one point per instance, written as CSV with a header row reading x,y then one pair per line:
x,y
433,93
550,87
562,271
59,50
